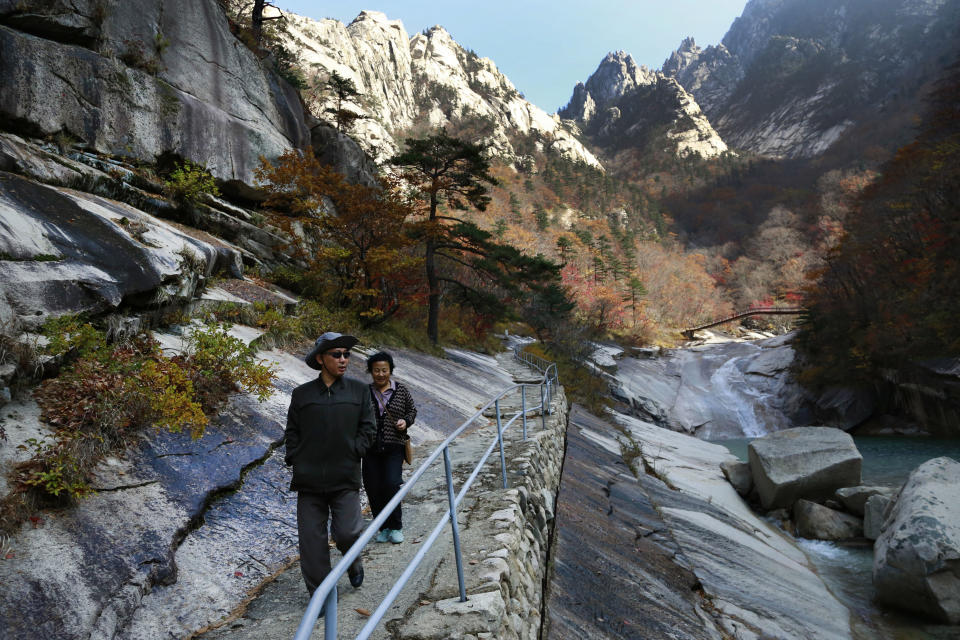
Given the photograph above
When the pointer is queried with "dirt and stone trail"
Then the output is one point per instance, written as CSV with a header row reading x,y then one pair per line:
x,y
275,612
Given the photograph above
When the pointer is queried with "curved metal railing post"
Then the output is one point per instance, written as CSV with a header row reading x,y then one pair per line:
x,y
548,398
453,523
330,609
543,407
503,459
523,408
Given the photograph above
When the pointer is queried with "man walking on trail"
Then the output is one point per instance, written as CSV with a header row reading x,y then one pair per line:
x,y
330,426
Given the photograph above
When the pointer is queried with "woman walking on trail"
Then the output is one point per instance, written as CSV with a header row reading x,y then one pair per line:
x,y
383,462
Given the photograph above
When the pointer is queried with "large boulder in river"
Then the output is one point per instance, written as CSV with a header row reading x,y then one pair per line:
x,y
737,474
916,562
804,462
817,522
854,499
875,512
142,79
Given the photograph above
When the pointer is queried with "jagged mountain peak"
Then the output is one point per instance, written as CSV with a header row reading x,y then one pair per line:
x,y
684,56
617,74
377,17
792,77
622,104
429,79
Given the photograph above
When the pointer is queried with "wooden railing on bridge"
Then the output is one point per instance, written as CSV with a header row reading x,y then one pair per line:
x,y
758,311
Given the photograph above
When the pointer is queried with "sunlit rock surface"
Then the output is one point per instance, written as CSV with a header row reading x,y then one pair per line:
x,y
792,77
726,390
623,105
140,79
65,251
428,77
679,509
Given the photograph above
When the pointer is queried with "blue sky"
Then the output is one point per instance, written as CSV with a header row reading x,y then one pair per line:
x,y
546,46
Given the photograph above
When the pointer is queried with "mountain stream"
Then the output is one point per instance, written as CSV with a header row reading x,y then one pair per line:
x,y
733,392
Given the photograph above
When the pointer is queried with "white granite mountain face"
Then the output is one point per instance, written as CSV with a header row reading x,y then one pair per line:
x,y
428,78
622,102
617,75
791,77
139,80
709,74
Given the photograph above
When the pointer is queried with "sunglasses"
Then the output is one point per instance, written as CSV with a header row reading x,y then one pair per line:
x,y
336,355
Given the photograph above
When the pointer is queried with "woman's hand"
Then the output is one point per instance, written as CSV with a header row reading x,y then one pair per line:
x,y
401,425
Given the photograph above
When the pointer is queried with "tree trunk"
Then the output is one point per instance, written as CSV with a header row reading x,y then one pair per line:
x,y
433,313
256,20
433,308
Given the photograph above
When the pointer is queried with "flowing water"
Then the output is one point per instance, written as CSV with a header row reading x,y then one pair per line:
x,y
847,568
718,391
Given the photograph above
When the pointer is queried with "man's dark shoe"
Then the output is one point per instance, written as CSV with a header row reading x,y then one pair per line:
x,y
356,575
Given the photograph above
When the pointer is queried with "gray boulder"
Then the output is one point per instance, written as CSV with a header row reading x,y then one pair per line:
x,y
875,513
19,156
135,80
72,21
69,252
804,462
737,473
916,564
821,523
854,499
343,154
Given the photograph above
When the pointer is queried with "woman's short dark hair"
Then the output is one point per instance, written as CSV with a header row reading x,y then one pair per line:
x,y
380,356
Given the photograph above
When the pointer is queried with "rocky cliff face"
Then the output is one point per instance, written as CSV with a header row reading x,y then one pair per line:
x,y
625,105
428,80
792,77
140,80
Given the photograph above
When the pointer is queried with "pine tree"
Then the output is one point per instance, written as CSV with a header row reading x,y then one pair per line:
x,y
540,216
635,291
564,245
446,171
343,91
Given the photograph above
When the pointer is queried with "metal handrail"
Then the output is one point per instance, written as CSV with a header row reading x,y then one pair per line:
x,y
544,367
325,596
533,360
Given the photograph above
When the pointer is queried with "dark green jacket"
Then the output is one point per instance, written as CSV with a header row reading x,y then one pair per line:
x,y
328,431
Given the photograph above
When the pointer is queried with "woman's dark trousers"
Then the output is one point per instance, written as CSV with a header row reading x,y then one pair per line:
x,y
382,478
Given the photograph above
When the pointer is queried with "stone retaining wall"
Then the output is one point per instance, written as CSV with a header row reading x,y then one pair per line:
x,y
504,537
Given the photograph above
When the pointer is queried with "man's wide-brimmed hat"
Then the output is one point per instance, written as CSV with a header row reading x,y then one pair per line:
x,y
329,340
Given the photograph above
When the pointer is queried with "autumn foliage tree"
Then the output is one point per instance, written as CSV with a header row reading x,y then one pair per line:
x,y
890,290
353,238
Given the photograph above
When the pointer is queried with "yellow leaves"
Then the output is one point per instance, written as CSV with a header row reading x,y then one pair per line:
x,y
171,395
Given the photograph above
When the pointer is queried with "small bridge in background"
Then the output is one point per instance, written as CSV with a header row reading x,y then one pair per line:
x,y
759,311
